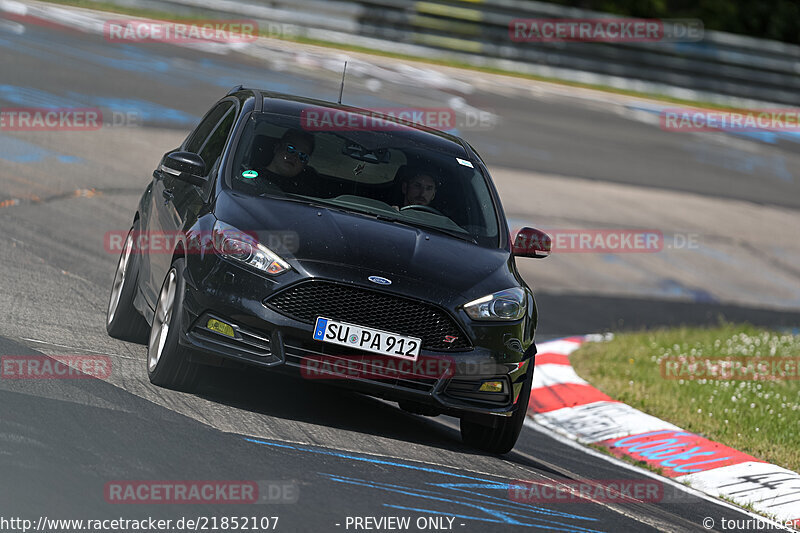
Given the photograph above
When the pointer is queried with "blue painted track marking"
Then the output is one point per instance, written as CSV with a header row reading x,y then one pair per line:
x,y
145,111
19,151
466,493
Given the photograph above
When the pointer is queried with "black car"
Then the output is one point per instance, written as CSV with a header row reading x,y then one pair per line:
x,y
305,235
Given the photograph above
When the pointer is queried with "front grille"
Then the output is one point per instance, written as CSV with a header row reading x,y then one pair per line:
x,y
307,301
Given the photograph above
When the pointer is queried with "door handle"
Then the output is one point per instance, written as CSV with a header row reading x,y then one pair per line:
x,y
168,196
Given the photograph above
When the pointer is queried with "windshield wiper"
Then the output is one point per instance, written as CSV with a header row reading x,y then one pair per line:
x,y
295,198
379,216
462,236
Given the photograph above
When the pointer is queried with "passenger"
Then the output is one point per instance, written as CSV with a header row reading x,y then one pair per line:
x,y
287,169
290,156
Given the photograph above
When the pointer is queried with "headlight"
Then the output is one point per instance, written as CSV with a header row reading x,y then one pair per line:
x,y
232,243
504,305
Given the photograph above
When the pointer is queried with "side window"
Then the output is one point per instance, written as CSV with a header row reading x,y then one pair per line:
x,y
215,144
205,127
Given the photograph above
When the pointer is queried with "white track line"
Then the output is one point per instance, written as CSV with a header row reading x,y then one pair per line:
x,y
79,349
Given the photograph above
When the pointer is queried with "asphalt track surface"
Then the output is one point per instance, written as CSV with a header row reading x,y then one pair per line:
x,y
348,455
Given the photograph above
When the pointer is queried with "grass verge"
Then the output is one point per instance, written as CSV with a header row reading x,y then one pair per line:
x,y
757,416
155,14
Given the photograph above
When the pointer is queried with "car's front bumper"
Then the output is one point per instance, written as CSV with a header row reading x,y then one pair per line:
x,y
263,337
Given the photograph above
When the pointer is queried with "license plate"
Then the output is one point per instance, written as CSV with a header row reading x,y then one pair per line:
x,y
367,339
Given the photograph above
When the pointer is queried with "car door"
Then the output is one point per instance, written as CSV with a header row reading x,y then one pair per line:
x,y
175,201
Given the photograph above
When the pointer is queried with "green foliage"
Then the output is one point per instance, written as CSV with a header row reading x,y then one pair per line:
x,y
768,19
757,416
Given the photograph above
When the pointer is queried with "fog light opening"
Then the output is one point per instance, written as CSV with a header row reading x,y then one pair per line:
x,y
220,327
491,386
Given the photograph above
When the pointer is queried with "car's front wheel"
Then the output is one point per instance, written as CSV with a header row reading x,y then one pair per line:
x,y
123,321
503,437
167,365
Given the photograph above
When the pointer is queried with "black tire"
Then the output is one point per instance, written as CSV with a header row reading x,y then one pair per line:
x,y
167,364
502,438
123,321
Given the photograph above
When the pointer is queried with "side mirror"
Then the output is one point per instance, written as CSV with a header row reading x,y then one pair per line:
x,y
185,166
531,242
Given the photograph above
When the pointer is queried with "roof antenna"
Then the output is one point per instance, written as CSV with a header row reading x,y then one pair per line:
x,y
341,89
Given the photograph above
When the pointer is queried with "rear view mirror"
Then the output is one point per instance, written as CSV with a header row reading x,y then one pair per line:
x,y
356,151
531,242
185,166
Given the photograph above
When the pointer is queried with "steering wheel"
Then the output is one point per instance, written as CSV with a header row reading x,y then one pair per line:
x,y
426,208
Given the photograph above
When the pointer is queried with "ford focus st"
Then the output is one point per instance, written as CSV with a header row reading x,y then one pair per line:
x,y
334,243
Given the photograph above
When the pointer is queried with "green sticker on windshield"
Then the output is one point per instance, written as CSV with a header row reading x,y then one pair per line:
x,y
250,174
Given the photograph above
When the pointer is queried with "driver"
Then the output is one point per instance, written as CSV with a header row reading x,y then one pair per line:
x,y
418,188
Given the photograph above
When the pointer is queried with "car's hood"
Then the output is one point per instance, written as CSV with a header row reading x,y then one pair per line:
x,y
330,243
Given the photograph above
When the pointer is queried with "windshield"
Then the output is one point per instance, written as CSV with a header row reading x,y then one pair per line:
x,y
384,171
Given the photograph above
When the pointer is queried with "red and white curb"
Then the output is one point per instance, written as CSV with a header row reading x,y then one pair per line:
x,y
566,404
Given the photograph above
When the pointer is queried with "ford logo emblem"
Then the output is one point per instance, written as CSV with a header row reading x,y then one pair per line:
x,y
379,280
